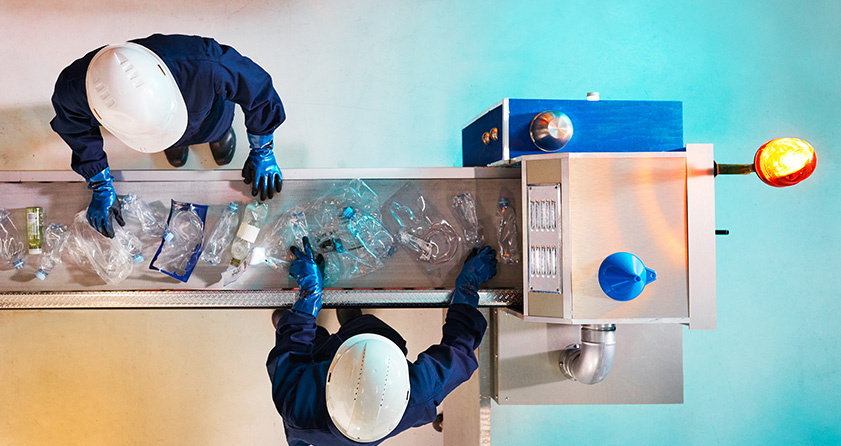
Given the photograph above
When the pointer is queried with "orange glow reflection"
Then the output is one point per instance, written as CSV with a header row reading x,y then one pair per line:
x,y
785,162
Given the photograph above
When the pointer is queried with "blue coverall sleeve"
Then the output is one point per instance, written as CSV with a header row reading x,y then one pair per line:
x,y
242,81
290,360
442,367
77,126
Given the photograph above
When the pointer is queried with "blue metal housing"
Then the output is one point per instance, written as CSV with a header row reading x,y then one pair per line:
x,y
598,126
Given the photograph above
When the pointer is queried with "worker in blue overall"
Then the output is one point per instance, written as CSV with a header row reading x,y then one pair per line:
x,y
165,93
356,386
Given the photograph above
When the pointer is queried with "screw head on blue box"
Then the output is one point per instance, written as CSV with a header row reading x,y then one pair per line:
x,y
623,276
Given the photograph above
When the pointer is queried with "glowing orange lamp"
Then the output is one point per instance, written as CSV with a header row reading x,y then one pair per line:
x,y
780,162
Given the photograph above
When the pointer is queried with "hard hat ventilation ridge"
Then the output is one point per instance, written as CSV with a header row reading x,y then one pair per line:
x,y
385,381
361,369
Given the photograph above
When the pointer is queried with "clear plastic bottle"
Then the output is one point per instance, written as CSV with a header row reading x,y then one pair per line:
x,y
249,229
222,235
152,223
464,208
129,241
12,246
105,255
507,234
182,237
370,233
55,238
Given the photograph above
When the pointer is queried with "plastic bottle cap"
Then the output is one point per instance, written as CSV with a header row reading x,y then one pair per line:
x,y
18,264
168,236
349,212
41,274
138,258
233,206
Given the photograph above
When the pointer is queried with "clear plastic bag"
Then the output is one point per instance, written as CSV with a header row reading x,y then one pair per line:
x,y
105,255
422,231
55,238
12,246
152,222
343,225
182,241
464,208
507,233
222,235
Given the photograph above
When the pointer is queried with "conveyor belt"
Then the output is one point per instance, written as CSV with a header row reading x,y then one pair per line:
x,y
401,283
244,299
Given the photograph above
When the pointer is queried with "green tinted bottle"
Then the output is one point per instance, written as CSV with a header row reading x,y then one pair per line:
x,y
34,228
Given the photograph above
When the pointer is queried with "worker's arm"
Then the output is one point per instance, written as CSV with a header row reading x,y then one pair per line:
x,y
242,81
238,79
75,122
441,368
291,355
290,364
77,126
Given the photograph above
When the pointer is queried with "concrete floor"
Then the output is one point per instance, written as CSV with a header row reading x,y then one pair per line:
x,y
162,377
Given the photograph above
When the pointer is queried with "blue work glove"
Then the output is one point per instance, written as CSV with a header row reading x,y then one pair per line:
x,y
104,203
260,169
479,267
309,273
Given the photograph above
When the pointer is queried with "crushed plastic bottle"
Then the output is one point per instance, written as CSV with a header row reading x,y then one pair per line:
x,y
507,233
464,208
222,235
370,233
431,240
130,242
55,239
289,227
182,237
12,247
106,255
152,222
249,229
422,248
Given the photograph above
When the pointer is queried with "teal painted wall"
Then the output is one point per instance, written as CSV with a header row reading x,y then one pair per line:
x,y
746,72
391,83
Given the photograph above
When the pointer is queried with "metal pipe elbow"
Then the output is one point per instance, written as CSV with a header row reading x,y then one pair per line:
x,y
590,362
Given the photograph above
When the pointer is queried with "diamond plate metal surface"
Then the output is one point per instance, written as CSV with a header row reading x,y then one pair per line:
x,y
244,299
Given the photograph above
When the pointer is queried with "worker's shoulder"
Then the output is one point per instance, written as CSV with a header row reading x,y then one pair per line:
x,y
75,72
181,47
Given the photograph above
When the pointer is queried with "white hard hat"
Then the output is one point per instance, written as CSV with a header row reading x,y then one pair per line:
x,y
367,387
132,94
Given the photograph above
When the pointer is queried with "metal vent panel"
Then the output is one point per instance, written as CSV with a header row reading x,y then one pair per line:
x,y
544,238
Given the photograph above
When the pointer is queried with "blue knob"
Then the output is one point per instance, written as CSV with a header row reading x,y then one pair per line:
x,y
623,276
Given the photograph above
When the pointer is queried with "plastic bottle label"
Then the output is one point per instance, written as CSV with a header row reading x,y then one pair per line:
x,y
248,233
33,229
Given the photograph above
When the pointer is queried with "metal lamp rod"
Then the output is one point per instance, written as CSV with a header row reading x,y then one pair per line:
x,y
733,169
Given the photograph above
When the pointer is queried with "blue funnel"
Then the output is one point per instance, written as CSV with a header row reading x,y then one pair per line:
x,y
623,276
